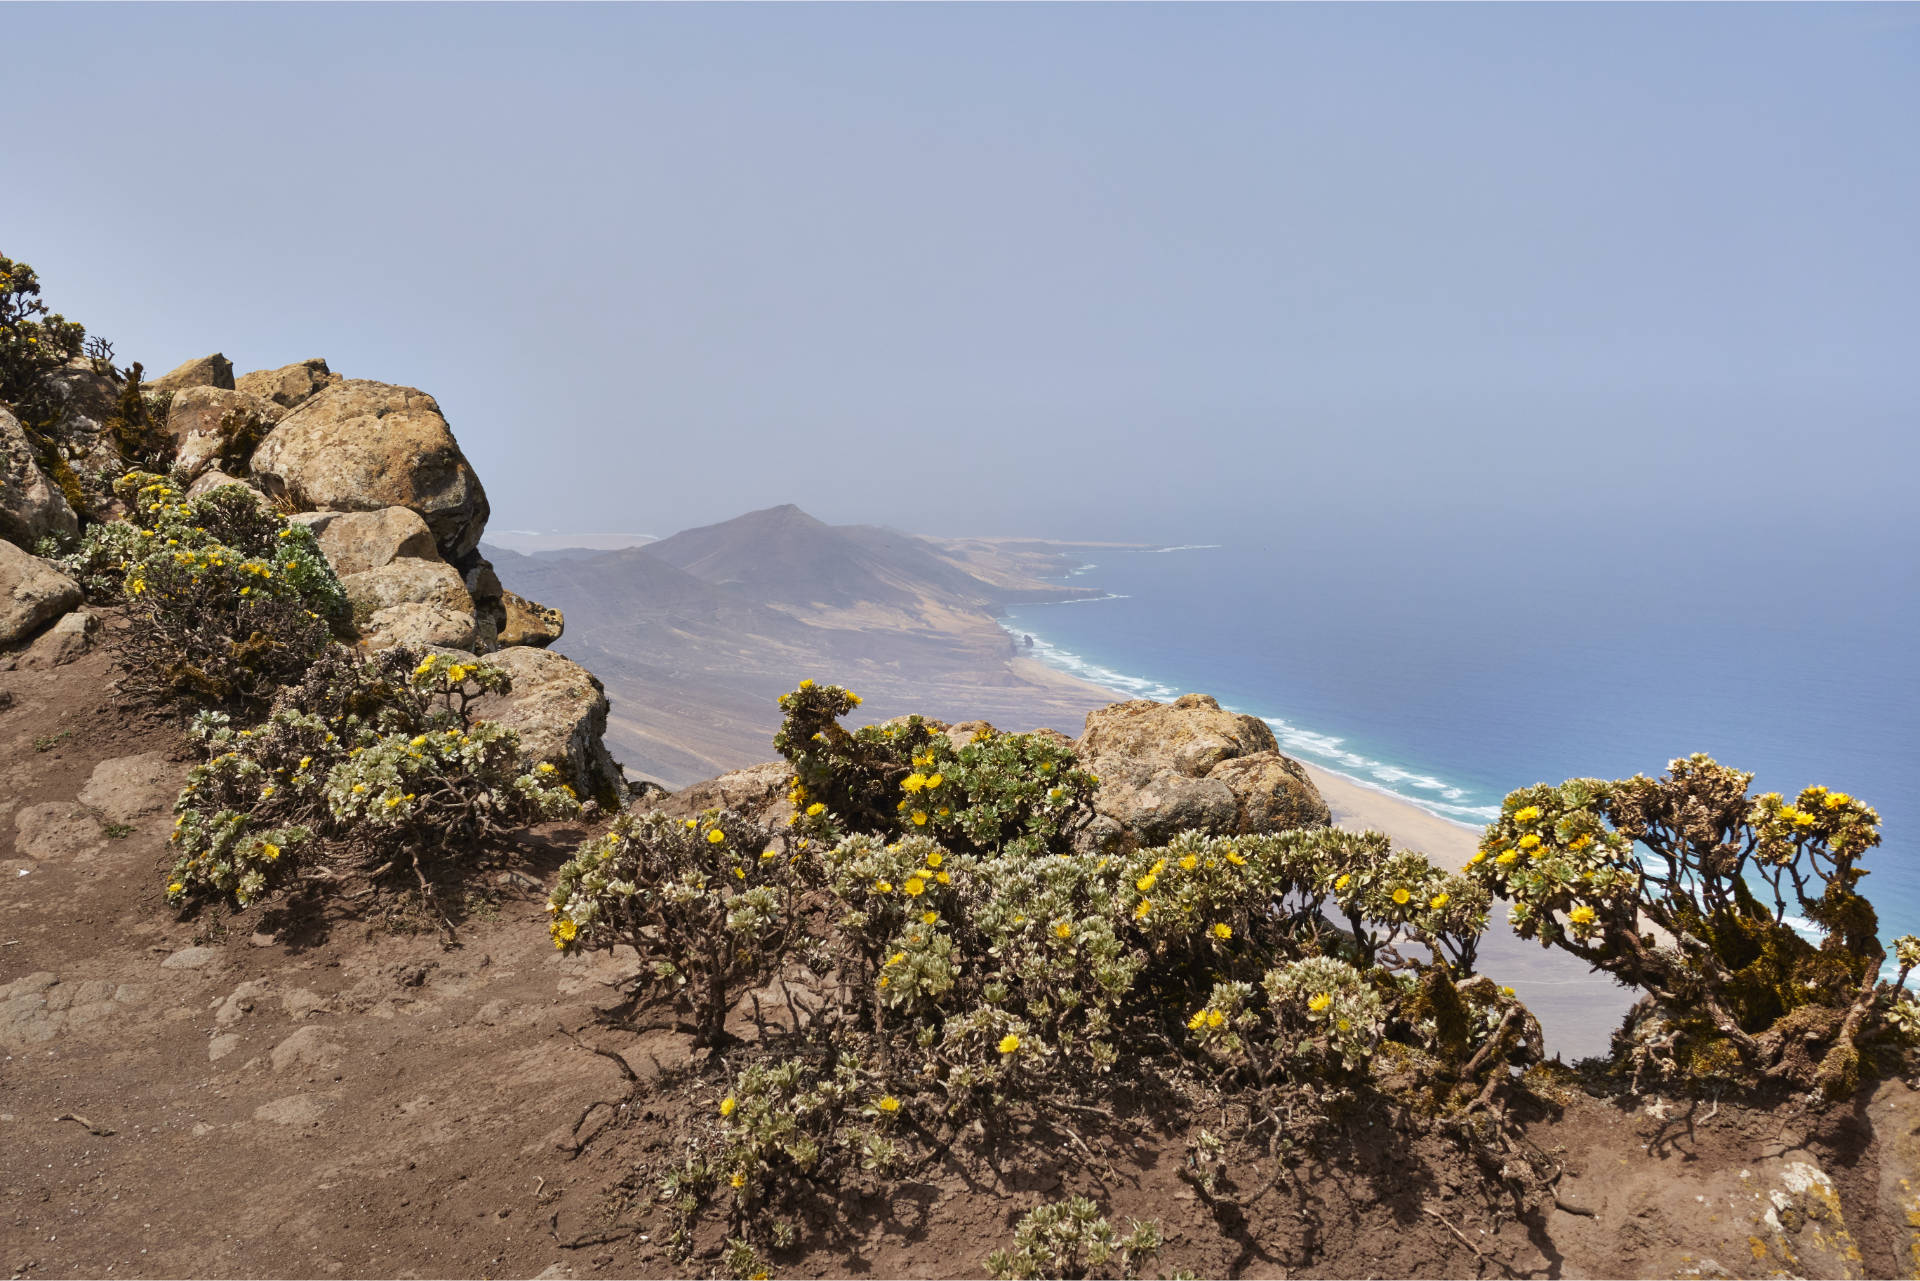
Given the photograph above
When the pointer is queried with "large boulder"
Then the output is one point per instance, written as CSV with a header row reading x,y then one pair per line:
x,y
1166,767
31,506
354,542
361,446
32,594
207,371
560,712
418,625
217,427
528,623
406,582
213,480
290,385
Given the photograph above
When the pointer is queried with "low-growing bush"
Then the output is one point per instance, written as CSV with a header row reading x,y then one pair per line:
x,y
229,601
34,343
379,754
1072,1238
1688,888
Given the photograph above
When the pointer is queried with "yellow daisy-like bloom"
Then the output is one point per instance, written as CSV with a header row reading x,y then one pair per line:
x,y
936,858
1343,882
889,1104
885,887
853,698
1140,912
1527,815
1580,842
919,818
1234,858
269,849
1439,901
1222,930
418,740
1063,931
716,837
175,888
1400,895
1530,842
739,874
1319,1002
914,782
1145,883
928,918
1198,1021
807,684
393,801
1479,856
1188,863
914,887
943,878
359,788
934,780
1009,1043
266,791
727,1105
738,1181
1507,857
882,982
816,809
691,823
1215,1019
898,958
1582,915
1836,799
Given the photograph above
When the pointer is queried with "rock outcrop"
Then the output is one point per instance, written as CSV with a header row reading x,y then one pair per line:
x,y
421,625
32,594
356,541
406,582
361,446
1167,767
559,710
528,623
290,385
758,791
207,371
215,426
31,506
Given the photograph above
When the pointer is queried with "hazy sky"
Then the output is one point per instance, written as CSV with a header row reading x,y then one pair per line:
x,y
1162,272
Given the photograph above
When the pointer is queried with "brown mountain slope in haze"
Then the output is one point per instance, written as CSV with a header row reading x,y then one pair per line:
x,y
695,636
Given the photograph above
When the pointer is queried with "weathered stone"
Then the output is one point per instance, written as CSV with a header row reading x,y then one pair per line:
x,y
419,625
31,506
32,593
191,958
560,712
88,395
213,480
309,1047
127,788
40,1006
354,542
528,623
213,426
290,385
207,371
404,582
758,791
1167,767
361,446
59,645
56,831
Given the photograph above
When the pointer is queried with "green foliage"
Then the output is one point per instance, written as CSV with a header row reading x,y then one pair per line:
x,y
710,904
1007,793
139,422
378,754
1072,1238
34,343
1701,920
229,600
796,1122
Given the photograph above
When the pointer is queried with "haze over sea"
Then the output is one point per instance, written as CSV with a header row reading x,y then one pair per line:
x,y
1450,684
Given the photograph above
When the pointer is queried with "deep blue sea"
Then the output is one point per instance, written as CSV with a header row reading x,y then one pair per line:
x,y
1449,688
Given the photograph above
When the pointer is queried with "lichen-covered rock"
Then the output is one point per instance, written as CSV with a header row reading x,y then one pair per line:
x,y
207,371
215,426
406,582
361,446
354,542
758,791
59,645
1166,767
32,593
419,625
528,623
559,710
31,506
290,385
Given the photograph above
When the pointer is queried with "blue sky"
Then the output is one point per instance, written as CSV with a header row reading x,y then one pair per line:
x,y
1158,272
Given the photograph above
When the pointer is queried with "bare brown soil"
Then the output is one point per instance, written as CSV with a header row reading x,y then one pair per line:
x,y
324,1087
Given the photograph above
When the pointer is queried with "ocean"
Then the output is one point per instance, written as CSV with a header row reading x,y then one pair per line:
x,y
1448,689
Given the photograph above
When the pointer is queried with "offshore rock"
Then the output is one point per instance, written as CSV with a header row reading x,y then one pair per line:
x,y
361,446
1166,767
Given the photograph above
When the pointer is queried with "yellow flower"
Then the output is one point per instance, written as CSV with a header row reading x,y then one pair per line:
x,y
1836,799
1145,883
1222,930
914,887
1216,1019
393,801
1198,1021
934,780
919,818
1580,842
885,887
1319,1002
1528,815
1507,857
1189,863
175,888
1140,912
266,791
889,1104
1439,901
1400,895
738,1181
716,837
816,809
1582,915
727,1106
1009,1043
898,958
1063,931
271,850
545,767
1530,842
1479,856
936,858
1343,882
358,788
1234,858
928,918
807,684
914,782
943,878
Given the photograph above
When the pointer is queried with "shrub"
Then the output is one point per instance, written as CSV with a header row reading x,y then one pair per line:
x,y
1736,989
34,342
378,754
796,1122
229,601
708,903
138,424
1072,1238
